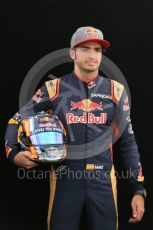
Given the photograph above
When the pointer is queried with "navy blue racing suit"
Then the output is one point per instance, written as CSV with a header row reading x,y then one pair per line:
x,y
95,115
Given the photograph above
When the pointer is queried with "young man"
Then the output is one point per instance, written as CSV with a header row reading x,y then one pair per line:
x,y
95,112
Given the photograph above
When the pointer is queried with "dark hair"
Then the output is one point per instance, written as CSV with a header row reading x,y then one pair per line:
x,y
104,50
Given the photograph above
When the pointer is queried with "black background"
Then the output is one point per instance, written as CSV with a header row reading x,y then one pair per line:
x,y
32,29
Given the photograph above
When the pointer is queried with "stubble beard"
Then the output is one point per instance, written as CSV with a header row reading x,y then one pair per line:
x,y
88,70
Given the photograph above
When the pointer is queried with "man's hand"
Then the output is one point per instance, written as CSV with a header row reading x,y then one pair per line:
x,y
24,159
138,209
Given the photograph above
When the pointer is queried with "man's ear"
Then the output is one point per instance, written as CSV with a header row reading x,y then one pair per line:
x,y
72,53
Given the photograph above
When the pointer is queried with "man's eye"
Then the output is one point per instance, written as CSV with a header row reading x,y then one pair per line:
x,y
99,50
84,48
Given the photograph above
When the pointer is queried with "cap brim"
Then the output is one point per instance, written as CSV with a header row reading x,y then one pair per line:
x,y
104,43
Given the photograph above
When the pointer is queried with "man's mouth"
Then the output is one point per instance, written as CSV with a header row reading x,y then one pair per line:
x,y
91,62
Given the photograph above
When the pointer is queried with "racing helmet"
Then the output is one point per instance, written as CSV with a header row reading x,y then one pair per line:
x,y
44,136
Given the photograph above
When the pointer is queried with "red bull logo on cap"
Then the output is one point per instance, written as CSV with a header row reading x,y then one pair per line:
x,y
91,32
86,105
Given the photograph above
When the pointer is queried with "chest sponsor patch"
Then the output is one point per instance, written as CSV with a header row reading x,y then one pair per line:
x,y
103,96
86,105
93,166
86,118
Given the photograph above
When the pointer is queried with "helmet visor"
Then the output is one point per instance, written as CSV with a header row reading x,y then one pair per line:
x,y
47,138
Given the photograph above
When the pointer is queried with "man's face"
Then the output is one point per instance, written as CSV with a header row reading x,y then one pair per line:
x,y
88,56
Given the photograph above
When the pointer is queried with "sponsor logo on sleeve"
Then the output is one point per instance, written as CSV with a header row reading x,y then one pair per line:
x,y
37,97
126,107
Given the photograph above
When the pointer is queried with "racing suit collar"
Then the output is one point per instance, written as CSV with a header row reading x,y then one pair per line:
x,y
86,81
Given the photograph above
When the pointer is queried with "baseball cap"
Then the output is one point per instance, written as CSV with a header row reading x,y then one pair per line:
x,y
88,34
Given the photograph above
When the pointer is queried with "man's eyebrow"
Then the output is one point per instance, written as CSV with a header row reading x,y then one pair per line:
x,y
84,47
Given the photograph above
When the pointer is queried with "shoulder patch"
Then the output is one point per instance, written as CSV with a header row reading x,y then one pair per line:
x,y
116,90
53,88
13,121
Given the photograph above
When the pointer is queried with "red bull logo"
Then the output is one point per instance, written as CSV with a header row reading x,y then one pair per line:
x,y
86,105
91,30
86,118
46,119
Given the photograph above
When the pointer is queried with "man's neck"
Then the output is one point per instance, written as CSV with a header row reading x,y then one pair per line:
x,y
86,76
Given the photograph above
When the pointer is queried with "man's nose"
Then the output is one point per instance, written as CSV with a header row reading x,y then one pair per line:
x,y
92,53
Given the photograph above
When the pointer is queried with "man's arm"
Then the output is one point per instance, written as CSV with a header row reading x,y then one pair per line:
x,y
130,154
41,101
